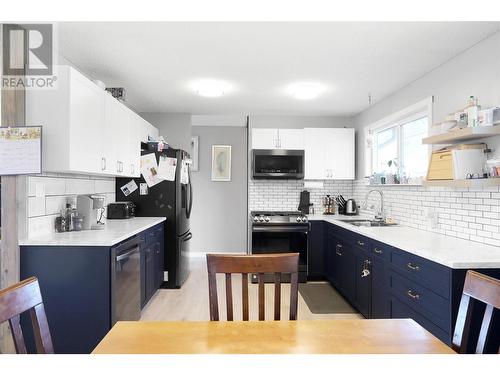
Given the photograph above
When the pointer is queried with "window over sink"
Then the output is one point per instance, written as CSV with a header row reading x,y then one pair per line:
x,y
395,146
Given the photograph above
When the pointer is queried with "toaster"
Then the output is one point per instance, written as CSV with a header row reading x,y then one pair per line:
x,y
121,210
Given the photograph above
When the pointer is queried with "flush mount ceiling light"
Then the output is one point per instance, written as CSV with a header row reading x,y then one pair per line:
x,y
211,88
306,90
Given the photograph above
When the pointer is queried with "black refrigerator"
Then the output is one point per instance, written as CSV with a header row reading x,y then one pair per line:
x,y
171,199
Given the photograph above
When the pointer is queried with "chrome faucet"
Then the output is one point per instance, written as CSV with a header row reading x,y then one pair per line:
x,y
379,216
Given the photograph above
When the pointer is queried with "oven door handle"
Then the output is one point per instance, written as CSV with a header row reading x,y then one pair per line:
x,y
280,228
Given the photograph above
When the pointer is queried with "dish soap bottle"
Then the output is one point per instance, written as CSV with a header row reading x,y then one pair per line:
x,y
472,111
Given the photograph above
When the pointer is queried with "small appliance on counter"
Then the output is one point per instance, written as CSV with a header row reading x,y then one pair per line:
x,y
328,205
305,205
90,207
121,210
351,208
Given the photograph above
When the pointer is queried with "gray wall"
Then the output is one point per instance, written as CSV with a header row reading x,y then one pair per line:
x,y
473,72
219,219
292,122
174,127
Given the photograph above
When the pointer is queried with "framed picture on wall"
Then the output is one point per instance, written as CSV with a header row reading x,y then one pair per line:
x,y
195,144
221,163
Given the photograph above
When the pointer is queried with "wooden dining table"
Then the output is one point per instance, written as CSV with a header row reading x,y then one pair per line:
x,y
359,336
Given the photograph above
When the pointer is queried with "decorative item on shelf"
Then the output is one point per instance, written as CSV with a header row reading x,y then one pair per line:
x,y
489,116
392,177
117,92
472,111
493,167
328,205
221,163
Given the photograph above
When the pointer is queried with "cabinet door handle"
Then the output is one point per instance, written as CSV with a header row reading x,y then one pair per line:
x,y
361,243
103,164
118,166
377,251
413,295
338,249
412,267
132,168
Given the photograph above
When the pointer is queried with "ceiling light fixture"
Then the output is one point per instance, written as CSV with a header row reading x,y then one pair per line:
x,y
306,90
211,88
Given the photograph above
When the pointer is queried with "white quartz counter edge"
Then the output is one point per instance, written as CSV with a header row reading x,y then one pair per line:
x,y
448,251
114,232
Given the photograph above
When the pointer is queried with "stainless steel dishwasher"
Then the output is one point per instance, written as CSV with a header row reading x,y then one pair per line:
x,y
126,281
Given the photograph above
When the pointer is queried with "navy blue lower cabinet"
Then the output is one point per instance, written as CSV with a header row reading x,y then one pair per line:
x,y
379,289
316,251
75,282
363,275
76,290
347,270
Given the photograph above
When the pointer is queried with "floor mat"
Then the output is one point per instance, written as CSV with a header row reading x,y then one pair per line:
x,y
322,298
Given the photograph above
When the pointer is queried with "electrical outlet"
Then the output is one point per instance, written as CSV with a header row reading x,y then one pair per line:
x,y
432,216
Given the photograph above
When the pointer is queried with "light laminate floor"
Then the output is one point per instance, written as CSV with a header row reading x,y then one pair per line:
x,y
191,301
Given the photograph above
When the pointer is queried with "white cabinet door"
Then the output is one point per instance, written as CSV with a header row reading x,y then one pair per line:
x,y
329,154
147,130
118,128
291,139
265,139
134,146
340,154
86,121
314,154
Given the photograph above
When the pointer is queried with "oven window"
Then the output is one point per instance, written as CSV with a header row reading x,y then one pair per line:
x,y
281,242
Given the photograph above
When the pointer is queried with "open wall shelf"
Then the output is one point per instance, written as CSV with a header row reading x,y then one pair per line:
x,y
466,134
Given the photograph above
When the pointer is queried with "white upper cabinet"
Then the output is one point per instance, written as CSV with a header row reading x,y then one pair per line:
x,y
264,139
270,139
85,129
291,139
329,154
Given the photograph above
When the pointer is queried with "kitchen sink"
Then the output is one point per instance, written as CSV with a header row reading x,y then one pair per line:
x,y
368,223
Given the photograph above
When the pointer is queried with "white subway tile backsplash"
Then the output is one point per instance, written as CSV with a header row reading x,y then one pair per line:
x,y
79,186
472,214
52,185
59,189
36,206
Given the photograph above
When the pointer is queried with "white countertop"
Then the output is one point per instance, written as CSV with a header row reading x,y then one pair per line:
x,y
114,232
448,251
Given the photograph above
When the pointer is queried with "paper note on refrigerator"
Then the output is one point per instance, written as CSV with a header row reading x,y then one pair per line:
x,y
149,169
167,168
184,173
129,188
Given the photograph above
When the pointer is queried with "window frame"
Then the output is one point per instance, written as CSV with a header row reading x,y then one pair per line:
x,y
397,120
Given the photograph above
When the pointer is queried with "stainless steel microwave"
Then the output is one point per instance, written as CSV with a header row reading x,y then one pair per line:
x,y
278,164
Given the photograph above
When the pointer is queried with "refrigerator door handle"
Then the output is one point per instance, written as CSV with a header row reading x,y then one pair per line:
x,y
190,206
188,237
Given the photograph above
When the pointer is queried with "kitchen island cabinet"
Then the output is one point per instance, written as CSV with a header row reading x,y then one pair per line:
x,y
78,282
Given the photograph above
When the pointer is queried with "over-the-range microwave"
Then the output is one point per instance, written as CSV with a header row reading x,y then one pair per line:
x,y
278,164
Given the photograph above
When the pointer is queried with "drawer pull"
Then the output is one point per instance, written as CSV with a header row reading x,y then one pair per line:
x,y
412,295
377,251
412,267
361,243
338,250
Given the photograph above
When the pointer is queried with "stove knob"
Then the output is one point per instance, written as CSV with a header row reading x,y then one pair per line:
x,y
261,218
298,219
267,219
255,219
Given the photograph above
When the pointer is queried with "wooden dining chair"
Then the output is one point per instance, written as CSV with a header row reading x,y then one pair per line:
x,y
485,289
276,264
21,297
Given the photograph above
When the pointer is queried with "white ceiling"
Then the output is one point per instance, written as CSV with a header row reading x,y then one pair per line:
x,y
156,62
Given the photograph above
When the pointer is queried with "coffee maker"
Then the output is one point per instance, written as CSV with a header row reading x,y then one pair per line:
x,y
90,207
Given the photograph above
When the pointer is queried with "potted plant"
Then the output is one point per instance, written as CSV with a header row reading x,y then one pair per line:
x,y
393,177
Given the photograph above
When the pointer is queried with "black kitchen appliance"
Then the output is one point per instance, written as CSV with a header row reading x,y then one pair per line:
x,y
173,200
278,164
281,232
120,210
305,202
